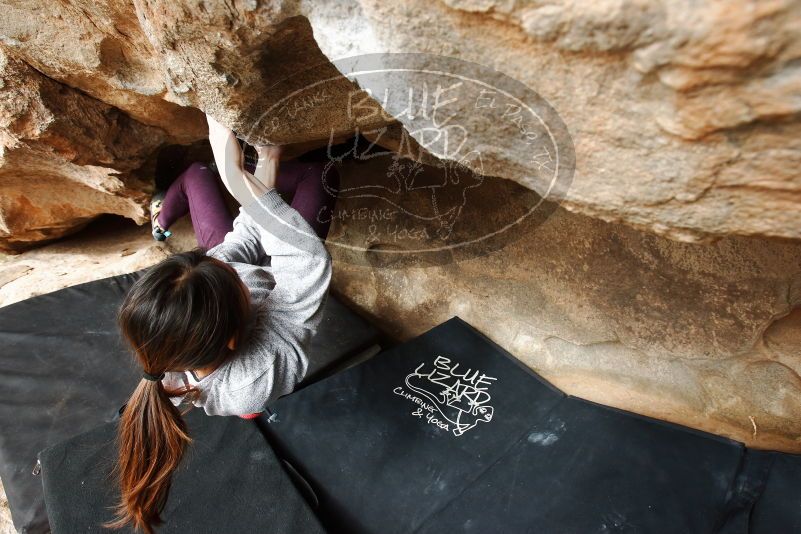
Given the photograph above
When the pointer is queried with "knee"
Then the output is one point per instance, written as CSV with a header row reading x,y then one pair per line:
x,y
199,172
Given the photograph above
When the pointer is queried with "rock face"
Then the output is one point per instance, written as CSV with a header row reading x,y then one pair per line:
x,y
239,63
707,336
153,64
684,115
100,48
684,119
107,247
64,158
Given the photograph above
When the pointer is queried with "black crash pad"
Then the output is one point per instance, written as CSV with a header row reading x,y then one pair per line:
x,y
766,497
406,463
588,468
64,371
408,447
229,481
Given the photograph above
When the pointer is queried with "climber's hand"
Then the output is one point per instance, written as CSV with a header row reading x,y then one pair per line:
x,y
266,170
228,157
269,151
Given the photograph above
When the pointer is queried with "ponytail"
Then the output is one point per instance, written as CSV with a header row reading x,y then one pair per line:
x,y
152,436
180,315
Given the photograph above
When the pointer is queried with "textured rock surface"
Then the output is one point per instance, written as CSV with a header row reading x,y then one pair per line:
x,y
107,247
100,48
706,335
139,70
238,61
64,158
151,57
684,115
703,335
6,526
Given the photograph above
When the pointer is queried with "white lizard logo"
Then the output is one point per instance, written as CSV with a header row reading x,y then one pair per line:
x,y
460,397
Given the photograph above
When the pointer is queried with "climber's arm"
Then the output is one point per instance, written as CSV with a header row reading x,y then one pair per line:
x,y
244,186
266,170
267,225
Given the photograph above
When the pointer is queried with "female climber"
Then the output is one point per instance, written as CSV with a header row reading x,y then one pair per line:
x,y
227,329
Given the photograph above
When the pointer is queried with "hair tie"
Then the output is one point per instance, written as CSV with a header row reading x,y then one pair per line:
x,y
152,378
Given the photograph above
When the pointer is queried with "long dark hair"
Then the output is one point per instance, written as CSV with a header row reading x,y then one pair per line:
x,y
179,316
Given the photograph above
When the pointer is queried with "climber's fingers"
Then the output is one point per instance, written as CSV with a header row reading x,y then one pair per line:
x,y
269,151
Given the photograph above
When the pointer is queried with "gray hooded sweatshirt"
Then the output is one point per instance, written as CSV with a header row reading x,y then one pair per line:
x,y
287,269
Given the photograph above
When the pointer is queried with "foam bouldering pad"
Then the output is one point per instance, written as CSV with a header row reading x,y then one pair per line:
x,y
588,468
341,337
229,481
64,370
766,496
449,433
414,426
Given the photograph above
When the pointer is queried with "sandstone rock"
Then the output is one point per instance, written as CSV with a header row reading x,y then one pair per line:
x,y
64,158
107,247
239,63
133,57
705,335
6,525
684,115
100,48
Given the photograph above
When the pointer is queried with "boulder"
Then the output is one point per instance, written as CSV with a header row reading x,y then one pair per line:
x,y
240,62
681,123
684,115
65,157
704,335
100,48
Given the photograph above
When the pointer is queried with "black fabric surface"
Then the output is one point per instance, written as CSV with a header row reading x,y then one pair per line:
x,y
778,507
544,463
341,335
230,481
64,371
386,469
588,468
